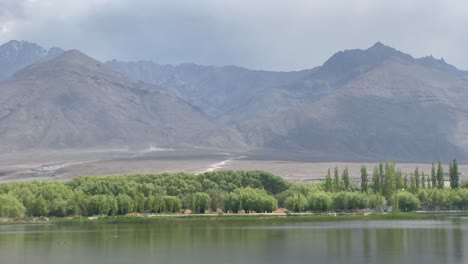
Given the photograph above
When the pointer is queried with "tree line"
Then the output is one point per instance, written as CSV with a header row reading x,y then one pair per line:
x,y
233,191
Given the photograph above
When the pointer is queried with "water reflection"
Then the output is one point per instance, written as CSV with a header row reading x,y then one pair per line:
x,y
315,242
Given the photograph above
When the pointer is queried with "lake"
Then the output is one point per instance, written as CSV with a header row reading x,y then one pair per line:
x,y
372,241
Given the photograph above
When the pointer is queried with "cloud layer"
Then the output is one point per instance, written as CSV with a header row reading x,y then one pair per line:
x,y
261,34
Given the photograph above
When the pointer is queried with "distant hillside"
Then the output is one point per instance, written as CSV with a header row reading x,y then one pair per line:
x,y
218,91
378,103
372,104
15,55
74,101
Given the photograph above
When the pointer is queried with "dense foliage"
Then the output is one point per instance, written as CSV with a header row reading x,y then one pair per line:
x,y
234,191
165,193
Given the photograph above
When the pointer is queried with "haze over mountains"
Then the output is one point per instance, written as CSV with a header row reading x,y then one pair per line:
x,y
371,104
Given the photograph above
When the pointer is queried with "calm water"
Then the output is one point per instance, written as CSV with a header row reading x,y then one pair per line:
x,y
427,241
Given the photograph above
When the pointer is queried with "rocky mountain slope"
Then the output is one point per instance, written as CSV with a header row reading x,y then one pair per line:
x,y
378,103
74,101
15,55
218,91
396,111
372,104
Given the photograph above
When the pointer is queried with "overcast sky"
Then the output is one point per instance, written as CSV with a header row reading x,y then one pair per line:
x,y
258,34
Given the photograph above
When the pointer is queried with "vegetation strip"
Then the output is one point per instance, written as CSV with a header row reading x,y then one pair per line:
x,y
232,192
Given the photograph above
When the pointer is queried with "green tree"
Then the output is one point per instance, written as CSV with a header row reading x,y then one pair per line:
x,y
336,180
433,176
281,197
423,180
249,199
172,204
417,180
296,203
407,201
218,197
381,175
39,207
454,175
79,203
440,176
412,187
328,182
376,180
345,178
11,207
405,183
376,200
199,202
399,181
320,201
125,204
364,180
389,184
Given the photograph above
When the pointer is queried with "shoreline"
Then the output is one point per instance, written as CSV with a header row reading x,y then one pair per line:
x,y
239,218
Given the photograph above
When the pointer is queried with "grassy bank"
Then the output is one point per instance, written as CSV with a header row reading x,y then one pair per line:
x,y
235,218
266,218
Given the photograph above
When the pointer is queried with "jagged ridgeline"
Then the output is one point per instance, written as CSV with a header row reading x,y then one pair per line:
x,y
373,104
222,192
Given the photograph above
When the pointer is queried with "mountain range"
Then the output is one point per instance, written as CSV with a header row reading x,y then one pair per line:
x,y
372,104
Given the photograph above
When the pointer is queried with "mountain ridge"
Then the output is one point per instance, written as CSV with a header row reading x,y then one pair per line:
x,y
15,55
377,103
74,101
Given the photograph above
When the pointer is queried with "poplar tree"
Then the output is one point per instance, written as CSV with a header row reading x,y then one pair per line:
x,y
412,184
453,174
328,182
440,176
381,175
345,178
405,182
423,180
416,178
399,181
336,180
376,180
363,178
433,176
388,184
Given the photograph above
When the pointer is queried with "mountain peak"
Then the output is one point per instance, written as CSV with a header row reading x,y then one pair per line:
x,y
17,46
440,64
76,57
16,54
350,63
378,44
385,52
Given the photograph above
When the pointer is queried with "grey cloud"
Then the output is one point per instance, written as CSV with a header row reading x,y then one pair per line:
x,y
281,35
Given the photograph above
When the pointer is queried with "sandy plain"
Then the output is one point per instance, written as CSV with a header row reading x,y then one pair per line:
x,y
65,165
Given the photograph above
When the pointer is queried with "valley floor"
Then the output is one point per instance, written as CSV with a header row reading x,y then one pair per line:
x,y
65,165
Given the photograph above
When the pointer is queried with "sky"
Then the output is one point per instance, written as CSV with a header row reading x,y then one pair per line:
x,y
256,34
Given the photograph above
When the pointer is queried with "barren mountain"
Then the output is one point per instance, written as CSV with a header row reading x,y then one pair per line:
x,y
15,55
372,104
397,111
218,91
74,101
378,103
